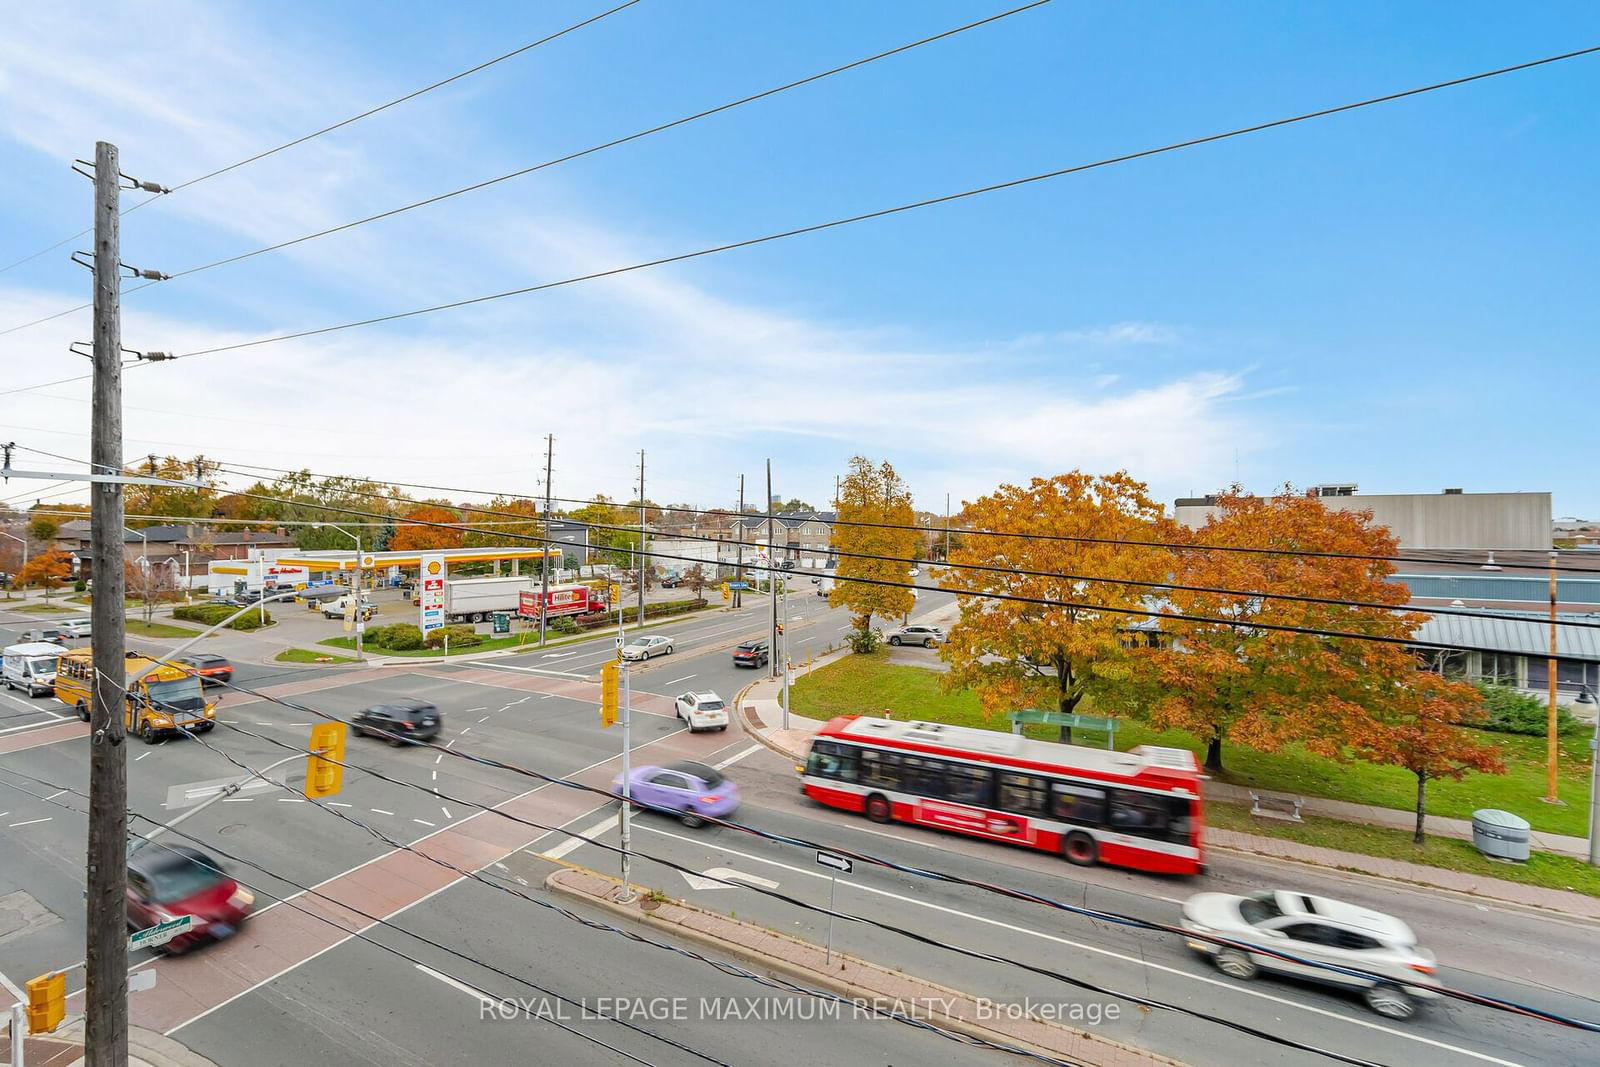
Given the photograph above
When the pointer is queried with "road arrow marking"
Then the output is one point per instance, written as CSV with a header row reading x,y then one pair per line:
x,y
719,877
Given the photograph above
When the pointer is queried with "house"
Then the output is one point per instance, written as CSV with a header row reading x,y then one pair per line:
x,y
202,543
801,536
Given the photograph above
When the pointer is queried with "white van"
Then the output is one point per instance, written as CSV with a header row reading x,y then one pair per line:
x,y
31,667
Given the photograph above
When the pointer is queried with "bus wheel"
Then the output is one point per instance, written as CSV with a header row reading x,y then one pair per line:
x,y
1080,849
878,809
147,733
83,710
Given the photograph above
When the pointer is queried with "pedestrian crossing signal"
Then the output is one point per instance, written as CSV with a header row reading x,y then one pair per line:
x,y
47,1004
325,771
610,693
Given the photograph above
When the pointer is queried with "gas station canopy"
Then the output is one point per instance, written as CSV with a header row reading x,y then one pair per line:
x,y
347,560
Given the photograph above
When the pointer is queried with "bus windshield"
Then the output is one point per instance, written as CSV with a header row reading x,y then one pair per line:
x,y
182,694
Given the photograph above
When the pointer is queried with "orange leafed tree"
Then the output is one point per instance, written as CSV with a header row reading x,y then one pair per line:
x,y
1229,676
411,536
1422,731
1020,655
49,570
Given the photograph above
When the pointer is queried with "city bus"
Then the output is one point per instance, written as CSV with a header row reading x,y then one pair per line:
x,y
1139,809
166,700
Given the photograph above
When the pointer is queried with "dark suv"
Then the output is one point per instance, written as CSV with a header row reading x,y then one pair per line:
x,y
752,654
399,721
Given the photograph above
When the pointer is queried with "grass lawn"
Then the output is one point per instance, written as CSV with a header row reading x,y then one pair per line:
x,y
528,640
868,684
1543,869
306,655
157,629
45,609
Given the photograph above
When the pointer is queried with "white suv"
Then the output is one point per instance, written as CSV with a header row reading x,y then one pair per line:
x,y
702,711
1320,931
926,636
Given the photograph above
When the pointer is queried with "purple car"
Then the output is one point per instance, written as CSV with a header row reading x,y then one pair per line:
x,y
693,790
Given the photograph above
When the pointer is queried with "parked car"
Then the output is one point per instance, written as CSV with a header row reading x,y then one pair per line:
x,y
77,628
167,881
210,669
399,721
786,564
53,635
926,636
702,711
1317,929
693,790
752,654
671,580
647,648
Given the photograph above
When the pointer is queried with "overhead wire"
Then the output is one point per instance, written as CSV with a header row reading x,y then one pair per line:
x,y
339,125
567,158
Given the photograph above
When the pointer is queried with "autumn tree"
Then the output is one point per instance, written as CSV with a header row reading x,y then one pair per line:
x,y
43,529
411,536
873,495
1227,675
696,579
500,528
48,569
1064,641
1421,728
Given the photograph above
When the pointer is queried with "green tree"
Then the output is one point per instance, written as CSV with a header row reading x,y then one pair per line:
x,y
43,529
796,504
874,495
1018,654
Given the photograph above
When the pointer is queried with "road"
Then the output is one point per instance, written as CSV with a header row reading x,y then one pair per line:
x,y
293,986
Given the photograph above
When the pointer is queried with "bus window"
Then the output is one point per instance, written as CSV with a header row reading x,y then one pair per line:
x,y
923,776
1021,794
830,760
881,769
1078,803
967,785
1144,814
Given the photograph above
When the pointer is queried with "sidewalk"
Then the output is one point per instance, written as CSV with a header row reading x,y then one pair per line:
x,y
763,717
64,1048
864,983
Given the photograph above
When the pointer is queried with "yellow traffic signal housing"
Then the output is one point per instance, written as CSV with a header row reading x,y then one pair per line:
x,y
610,693
727,591
47,1002
324,777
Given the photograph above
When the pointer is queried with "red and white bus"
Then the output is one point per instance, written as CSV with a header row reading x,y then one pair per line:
x,y
1139,809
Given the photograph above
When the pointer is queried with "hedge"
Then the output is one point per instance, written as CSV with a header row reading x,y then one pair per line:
x,y
460,637
402,637
1514,712
211,614
657,610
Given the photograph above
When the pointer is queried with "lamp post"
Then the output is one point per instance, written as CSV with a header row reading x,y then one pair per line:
x,y
355,586
1587,695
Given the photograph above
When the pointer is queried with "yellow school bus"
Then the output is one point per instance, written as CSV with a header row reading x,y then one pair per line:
x,y
166,700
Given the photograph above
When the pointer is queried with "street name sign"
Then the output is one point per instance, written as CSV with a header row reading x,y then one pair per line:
x,y
160,933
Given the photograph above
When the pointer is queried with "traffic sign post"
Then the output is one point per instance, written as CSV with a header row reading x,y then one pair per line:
x,y
160,933
838,865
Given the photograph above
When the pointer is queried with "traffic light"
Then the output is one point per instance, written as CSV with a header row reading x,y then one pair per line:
x,y
727,591
610,693
616,592
47,1002
780,629
324,777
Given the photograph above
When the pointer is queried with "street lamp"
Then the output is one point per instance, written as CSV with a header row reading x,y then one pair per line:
x,y
355,586
1587,695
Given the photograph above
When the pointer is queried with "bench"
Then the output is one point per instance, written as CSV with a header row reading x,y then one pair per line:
x,y
1268,806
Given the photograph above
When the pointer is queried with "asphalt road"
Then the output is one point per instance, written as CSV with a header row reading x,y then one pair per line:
x,y
355,1003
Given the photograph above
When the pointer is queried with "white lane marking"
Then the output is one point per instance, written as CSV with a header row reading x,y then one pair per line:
x,y
685,678
291,800
337,804
531,670
425,822
29,822
57,793
438,759
731,760
32,725
237,800
486,718
460,986
465,731
560,655
446,812
524,700
471,710
140,756
572,844
263,724
380,811
547,696
435,776
1232,986
450,744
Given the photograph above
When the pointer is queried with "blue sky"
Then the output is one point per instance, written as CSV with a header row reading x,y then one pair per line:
x,y
1401,297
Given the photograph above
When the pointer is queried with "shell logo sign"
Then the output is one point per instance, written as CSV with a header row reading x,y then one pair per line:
x,y
434,567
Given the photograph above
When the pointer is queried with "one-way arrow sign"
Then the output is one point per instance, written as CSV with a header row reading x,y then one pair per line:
x,y
726,875
841,864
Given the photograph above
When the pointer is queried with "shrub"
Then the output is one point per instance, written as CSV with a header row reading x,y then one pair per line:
x,y
863,641
460,637
80,586
564,624
402,637
1512,711
211,614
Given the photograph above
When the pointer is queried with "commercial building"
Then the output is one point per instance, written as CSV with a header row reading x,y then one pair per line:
x,y
1452,519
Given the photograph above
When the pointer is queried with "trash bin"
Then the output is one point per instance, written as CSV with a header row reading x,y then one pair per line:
x,y
1501,834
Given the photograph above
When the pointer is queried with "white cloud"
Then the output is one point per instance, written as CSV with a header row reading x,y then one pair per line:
x,y
708,385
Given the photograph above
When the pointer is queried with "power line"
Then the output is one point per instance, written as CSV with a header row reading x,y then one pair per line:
x,y
898,209
374,919
338,125
569,157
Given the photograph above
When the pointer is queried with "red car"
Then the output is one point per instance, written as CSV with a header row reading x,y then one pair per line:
x,y
166,882
210,669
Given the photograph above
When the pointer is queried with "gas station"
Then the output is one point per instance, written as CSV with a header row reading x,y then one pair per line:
x,y
393,567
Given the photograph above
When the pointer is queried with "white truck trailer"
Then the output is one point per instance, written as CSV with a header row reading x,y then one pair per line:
x,y
476,599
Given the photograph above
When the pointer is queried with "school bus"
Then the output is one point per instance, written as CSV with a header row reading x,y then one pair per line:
x,y
166,700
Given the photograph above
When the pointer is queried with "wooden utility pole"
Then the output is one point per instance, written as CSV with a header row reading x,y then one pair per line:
x,y
1552,749
106,955
772,578
738,549
544,571
642,562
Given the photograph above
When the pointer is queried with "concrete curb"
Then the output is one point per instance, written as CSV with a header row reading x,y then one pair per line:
x,y
862,981
146,1048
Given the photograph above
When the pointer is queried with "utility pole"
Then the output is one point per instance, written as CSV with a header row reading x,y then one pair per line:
x,y
1552,753
106,955
642,562
772,575
544,570
738,549
360,621
947,529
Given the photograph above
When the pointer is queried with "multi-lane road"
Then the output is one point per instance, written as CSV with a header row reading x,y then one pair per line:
x,y
295,984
